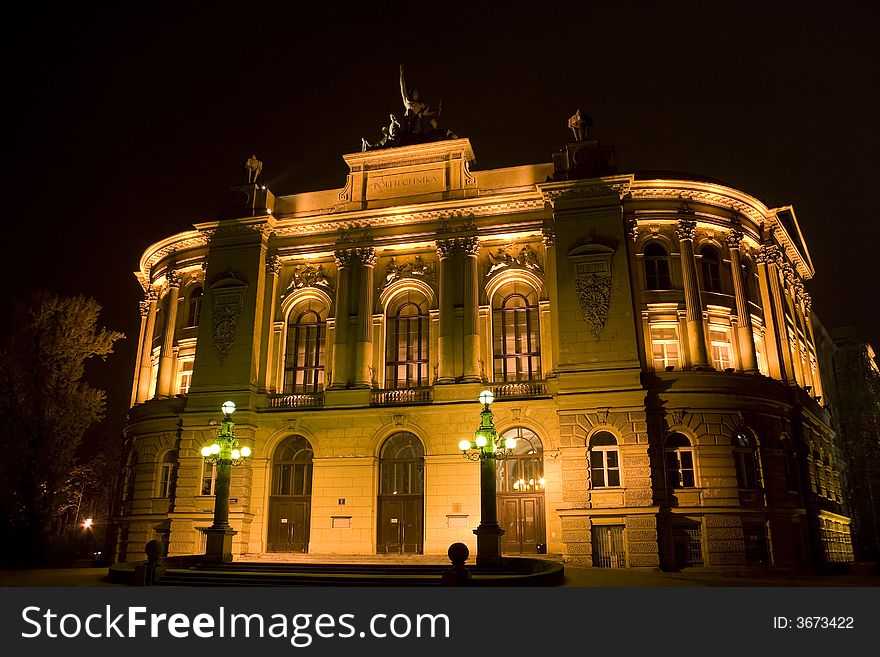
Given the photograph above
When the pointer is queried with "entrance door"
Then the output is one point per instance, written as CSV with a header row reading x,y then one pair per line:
x,y
290,504
401,495
400,525
520,494
522,519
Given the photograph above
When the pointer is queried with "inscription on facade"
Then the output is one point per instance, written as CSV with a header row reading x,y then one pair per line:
x,y
411,183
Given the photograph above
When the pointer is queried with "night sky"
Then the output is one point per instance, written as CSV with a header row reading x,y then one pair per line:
x,y
128,127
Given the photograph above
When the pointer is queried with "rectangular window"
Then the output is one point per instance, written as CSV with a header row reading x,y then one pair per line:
x,y
605,467
756,543
609,550
687,544
722,350
209,478
184,376
665,347
165,480
680,468
761,354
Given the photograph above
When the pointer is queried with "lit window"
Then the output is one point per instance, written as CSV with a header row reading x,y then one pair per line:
x,y
657,268
304,361
154,373
665,347
406,344
184,376
604,460
292,467
523,472
746,460
166,473
516,338
209,478
761,354
722,350
680,471
710,262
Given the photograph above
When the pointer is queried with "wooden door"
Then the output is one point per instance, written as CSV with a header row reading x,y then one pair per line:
x,y
289,523
400,524
521,517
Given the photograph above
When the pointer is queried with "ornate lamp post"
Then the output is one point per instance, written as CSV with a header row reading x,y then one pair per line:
x,y
224,453
485,449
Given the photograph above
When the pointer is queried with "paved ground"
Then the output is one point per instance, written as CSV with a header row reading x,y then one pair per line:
x,y
574,576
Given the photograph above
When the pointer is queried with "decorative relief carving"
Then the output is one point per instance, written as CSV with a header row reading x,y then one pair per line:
x,y
458,224
769,254
273,264
632,228
174,278
594,295
144,308
513,255
548,236
687,229
709,198
228,302
468,245
308,275
415,268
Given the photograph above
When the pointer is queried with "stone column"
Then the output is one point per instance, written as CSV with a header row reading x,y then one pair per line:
x,y
745,335
135,386
363,355
146,351
446,339
166,360
794,343
807,303
549,240
341,353
693,304
768,259
471,310
264,373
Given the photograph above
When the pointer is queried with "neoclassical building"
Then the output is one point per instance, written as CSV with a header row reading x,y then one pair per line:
x,y
647,338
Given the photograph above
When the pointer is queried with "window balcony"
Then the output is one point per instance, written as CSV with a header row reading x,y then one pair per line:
x,y
297,400
400,396
519,390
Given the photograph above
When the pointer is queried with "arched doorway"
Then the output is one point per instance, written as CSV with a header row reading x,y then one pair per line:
x,y
520,495
401,495
290,501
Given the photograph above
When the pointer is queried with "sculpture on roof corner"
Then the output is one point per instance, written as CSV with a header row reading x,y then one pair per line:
x,y
580,124
252,168
421,123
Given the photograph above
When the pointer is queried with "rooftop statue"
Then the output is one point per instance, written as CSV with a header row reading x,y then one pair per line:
x,y
252,168
420,123
579,125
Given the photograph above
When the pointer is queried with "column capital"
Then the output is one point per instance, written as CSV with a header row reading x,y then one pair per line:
x,y
769,254
273,264
548,236
468,245
735,238
144,307
151,294
632,228
687,229
808,302
174,278
355,256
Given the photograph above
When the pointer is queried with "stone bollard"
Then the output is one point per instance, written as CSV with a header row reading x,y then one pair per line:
x,y
149,573
458,574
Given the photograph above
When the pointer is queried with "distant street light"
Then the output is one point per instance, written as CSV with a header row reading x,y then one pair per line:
x,y
223,453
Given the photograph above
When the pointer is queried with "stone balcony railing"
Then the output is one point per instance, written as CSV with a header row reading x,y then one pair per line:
x,y
519,390
297,400
395,397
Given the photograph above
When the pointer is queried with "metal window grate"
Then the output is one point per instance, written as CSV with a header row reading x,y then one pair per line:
x,y
609,550
688,543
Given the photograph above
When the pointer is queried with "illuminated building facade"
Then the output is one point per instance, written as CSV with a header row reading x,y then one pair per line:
x,y
647,337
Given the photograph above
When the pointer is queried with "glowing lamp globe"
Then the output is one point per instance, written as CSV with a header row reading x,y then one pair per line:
x,y
245,451
235,455
486,397
464,445
510,443
228,408
215,448
206,451
481,440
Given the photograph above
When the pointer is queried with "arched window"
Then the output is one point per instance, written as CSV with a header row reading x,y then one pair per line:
x,y
406,343
657,267
402,465
710,263
166,473
516,337
292,467
745,456
304,358
604,460
194,307
523,472
680,468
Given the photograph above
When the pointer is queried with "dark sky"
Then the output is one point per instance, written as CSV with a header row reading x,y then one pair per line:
x,y
127,127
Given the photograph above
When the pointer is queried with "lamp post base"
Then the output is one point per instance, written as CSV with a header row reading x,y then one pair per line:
x,y
488,544
218,544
